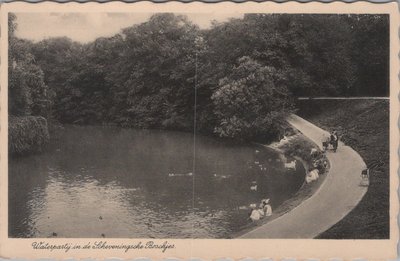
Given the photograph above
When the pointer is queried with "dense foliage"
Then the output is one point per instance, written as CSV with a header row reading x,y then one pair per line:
x,y
251,101
246,71
28,93
27,134
29,98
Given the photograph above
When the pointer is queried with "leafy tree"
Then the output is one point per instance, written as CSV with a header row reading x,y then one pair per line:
x,y
313,50
59,58
28,96
28,93
251,102
155,83
370,53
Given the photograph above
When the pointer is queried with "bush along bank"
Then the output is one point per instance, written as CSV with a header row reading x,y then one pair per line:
x,y
295,145
27,134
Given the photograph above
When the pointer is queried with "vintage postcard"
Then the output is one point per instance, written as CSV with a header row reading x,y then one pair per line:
x,y
173,130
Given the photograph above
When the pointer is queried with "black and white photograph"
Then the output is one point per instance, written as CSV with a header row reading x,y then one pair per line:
x,y
199,125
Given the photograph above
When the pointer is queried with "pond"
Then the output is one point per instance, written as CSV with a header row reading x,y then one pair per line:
x,y
114,182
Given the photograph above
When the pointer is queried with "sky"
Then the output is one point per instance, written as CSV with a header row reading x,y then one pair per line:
x,y
86,27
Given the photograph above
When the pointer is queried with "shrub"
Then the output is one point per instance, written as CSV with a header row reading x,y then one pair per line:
x,y
27,134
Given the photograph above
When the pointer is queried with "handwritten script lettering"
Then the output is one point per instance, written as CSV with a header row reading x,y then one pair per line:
x,y
51,247
102,245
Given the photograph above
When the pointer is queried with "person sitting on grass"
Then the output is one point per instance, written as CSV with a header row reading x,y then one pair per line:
x,y
256,214
312,175
266,207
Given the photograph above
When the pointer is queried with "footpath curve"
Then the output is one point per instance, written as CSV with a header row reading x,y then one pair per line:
x,y
336,197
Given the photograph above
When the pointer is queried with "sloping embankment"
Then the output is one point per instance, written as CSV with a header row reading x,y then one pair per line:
x,y
363,125
336,197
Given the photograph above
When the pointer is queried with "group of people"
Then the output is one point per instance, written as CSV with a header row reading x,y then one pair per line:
x,y
319,165
332,139
264,210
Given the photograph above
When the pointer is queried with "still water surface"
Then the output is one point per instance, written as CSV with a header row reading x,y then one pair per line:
x,y
113,182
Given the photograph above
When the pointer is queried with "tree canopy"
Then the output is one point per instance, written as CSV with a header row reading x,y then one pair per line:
x,y
245,72
28,93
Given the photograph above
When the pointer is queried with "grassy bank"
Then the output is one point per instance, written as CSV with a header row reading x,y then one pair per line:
x,y
363,125
26,134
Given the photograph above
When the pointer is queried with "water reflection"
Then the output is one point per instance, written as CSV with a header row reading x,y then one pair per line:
x,y
116,182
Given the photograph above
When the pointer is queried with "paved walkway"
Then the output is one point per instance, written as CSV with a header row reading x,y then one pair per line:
x,y
337,196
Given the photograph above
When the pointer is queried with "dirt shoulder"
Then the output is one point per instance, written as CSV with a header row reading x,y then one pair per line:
x,y
363,125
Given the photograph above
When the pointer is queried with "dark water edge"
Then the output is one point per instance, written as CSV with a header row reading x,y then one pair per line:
x,y
149,202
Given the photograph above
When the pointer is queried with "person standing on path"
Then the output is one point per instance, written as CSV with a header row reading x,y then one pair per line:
x,y
336,143
334,140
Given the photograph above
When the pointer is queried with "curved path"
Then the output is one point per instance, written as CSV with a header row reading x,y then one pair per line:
x,y
337,196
